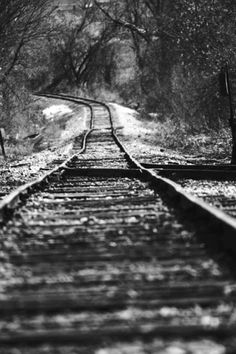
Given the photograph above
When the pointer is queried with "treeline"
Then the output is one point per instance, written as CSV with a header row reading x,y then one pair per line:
x,y
179,47
163,55
24,29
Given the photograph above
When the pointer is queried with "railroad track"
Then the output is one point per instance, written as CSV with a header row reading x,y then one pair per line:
x,y
95,259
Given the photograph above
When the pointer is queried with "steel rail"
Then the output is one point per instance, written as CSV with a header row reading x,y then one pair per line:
x,y
217,172
55,301
172,166
223,225
197,174
70,99
8,203
87,101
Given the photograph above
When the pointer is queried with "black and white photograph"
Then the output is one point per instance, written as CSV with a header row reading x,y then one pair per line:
x,y
117,177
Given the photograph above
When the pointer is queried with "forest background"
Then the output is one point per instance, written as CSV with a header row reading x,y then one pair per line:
x,y
161,57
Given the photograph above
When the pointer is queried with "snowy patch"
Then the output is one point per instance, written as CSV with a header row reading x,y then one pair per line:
x,y
56,111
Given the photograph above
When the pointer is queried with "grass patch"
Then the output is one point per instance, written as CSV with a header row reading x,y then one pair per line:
x,y
167,132
182,136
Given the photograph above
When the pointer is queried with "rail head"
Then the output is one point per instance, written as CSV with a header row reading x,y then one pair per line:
x,y
188,200
226,225
73,99
223,224
80,100
8,204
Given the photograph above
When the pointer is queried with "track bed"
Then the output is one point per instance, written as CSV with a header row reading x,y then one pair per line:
x,y
96,261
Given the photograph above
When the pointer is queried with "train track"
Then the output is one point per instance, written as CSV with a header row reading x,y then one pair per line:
x,y
95,259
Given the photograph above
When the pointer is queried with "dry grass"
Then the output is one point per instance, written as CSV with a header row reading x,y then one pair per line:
x,y
56,122
18,150
169,133
178,135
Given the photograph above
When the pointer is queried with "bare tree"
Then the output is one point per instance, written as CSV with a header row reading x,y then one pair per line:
x,y
22,22
78,47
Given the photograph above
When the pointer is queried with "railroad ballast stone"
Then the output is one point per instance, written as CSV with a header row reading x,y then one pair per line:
x,y
126,256
102,265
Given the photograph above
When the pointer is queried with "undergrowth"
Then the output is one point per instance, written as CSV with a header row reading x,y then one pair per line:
x,y
192,139
19,149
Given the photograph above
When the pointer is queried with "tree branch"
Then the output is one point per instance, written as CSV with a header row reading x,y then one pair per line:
x,y
142,33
